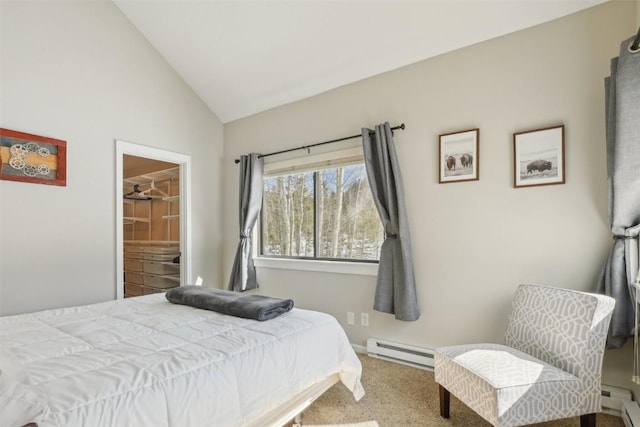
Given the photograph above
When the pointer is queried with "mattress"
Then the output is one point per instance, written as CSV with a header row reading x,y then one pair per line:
x,y
146,362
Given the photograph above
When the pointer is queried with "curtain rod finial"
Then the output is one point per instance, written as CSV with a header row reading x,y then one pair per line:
x,y
401,126
236,161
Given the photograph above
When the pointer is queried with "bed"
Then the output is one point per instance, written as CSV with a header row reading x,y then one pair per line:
x,y
146,362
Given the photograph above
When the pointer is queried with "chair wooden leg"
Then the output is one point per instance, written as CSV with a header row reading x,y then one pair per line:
x,y
588,420
445,398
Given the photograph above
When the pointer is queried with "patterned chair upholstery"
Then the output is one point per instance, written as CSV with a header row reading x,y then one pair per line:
x,y
550,367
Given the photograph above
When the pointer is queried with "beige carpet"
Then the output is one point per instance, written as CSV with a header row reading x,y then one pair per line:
x,y
398,395
365,424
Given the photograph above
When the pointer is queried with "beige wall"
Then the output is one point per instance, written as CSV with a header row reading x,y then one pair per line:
x,y
473,242
79,71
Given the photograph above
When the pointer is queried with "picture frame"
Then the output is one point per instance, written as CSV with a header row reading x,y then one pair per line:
x,y
32,158
458,156
538,157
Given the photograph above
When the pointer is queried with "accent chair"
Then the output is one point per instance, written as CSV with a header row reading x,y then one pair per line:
x,y
550,367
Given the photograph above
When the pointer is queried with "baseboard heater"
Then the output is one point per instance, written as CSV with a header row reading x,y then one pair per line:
x,y
401,353
630,414
613,400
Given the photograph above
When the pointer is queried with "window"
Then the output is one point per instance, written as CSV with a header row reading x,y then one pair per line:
x,y
322,212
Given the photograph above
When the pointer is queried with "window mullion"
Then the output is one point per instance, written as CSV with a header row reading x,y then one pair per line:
x,y
261,227
316,238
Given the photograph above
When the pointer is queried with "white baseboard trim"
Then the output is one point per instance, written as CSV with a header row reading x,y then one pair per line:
x,y
359,348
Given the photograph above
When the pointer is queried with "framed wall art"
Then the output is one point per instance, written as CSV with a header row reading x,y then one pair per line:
x,y
538,157
32,158
458,155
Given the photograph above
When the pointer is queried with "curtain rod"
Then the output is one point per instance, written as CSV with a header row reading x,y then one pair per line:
x,y
306,147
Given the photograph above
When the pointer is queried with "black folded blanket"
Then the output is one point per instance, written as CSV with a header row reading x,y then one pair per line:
x,y
257,307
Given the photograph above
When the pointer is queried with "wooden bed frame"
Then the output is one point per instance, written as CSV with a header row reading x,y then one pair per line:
x,y
291,409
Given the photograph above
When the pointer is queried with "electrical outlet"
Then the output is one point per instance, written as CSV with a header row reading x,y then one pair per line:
x,y
351,318
364,319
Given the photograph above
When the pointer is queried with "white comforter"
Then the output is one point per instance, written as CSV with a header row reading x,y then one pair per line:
x,y
146,362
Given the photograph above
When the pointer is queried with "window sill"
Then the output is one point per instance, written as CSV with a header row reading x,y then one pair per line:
x,y
361,268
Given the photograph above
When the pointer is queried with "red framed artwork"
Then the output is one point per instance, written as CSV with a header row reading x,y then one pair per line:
x,y
32,158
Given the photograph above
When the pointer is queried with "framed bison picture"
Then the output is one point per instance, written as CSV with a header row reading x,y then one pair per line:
x,y
458,156
538,157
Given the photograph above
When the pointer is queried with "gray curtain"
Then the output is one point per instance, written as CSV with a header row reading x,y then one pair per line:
x,y
396,287
243,272
622,90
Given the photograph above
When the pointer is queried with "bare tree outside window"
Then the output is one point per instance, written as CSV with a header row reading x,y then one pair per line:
x,y
330,211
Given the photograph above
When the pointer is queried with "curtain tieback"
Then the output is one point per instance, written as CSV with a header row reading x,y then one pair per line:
x,y
621,237
390,236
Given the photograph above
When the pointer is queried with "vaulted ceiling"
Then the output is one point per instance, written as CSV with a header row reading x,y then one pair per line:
x,y
244,57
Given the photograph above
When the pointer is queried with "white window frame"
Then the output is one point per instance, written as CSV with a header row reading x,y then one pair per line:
x,y
304,164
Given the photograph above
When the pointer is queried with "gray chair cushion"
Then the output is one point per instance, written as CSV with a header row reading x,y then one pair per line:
x,y
506,386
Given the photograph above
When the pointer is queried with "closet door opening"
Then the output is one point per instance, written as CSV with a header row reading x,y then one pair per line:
x,y
152,220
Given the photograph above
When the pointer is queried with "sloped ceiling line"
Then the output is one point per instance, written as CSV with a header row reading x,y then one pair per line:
x,y
244,57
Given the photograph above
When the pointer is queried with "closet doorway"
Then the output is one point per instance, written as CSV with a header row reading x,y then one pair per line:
x,y
153,219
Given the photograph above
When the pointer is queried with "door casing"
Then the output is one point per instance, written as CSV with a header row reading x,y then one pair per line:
x,y
184,162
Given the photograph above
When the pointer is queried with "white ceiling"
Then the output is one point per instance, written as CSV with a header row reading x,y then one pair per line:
x,y
244,57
